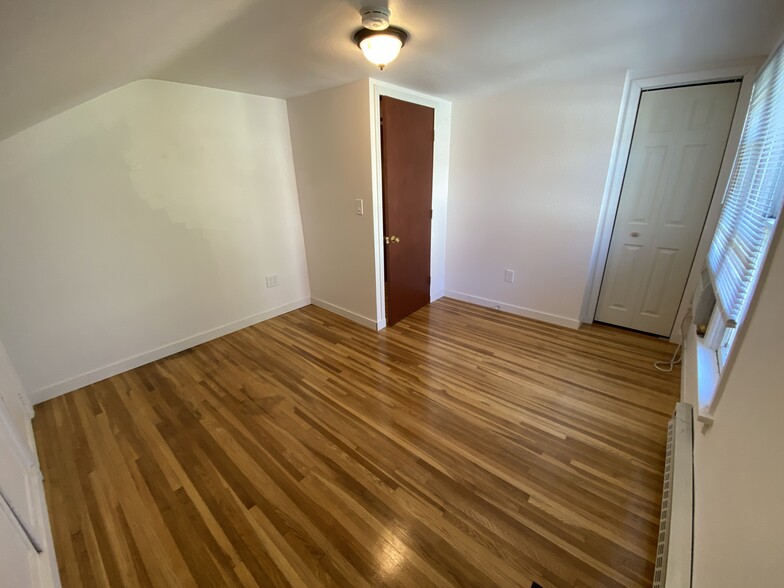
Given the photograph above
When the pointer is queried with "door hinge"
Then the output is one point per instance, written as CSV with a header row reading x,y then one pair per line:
x,y
431,214
428,280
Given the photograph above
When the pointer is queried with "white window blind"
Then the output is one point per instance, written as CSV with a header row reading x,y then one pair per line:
x,y
754,195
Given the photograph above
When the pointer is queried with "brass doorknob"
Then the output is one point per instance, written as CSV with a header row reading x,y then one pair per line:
x,y
386,240
395,239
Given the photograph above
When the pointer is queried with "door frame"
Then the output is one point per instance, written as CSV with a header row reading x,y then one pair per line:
x,y
443,118
42,564
636,82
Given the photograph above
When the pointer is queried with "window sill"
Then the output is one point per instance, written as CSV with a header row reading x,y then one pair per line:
x,y
707,381
700,376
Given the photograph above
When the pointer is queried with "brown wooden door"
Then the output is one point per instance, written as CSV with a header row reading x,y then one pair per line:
x,y
407,175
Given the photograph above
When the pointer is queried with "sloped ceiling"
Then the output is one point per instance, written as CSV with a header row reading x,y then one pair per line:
x,y
55,54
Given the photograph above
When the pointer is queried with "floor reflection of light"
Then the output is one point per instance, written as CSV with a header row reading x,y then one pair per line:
x,y
391,557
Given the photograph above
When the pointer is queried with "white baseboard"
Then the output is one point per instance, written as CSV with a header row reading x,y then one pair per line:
x,y
118,367
518,310
350,315
435,296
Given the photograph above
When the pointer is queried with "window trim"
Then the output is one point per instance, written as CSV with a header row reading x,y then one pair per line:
x,y
706,413
712,368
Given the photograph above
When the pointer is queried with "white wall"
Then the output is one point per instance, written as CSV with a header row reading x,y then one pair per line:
x,y
330,136
141,223
739,460
527,177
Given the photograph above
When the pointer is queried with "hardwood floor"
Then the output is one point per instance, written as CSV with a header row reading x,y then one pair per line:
x,y
462,446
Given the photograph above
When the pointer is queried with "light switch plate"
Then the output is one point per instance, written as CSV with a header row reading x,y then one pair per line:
x,y
359,206
509,276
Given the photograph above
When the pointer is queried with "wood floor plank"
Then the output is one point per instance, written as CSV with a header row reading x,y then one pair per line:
x,y
460,447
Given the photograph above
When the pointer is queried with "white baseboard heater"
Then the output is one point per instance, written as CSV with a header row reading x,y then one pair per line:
x,y
676,527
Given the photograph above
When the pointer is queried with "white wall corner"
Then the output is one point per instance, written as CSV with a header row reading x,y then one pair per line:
x,y
121,165
331,139
348,314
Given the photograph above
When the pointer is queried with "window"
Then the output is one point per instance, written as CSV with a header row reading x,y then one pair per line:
x,y
752,204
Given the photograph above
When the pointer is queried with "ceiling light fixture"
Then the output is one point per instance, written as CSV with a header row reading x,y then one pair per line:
x,y
380,43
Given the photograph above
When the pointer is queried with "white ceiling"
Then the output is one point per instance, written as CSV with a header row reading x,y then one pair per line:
x,y
55,54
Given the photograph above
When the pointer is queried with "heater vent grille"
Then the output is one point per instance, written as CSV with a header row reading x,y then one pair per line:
x,y
676,525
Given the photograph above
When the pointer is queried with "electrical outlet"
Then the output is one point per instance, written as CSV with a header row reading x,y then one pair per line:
x,y
272,280
509,276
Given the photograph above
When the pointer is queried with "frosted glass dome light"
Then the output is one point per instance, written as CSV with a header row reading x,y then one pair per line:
x,y
381,47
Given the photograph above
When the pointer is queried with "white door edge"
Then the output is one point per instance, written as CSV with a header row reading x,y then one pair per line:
x,y
634,85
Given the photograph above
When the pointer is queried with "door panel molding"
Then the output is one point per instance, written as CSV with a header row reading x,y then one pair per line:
x,y
22,499
636,82
23,528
